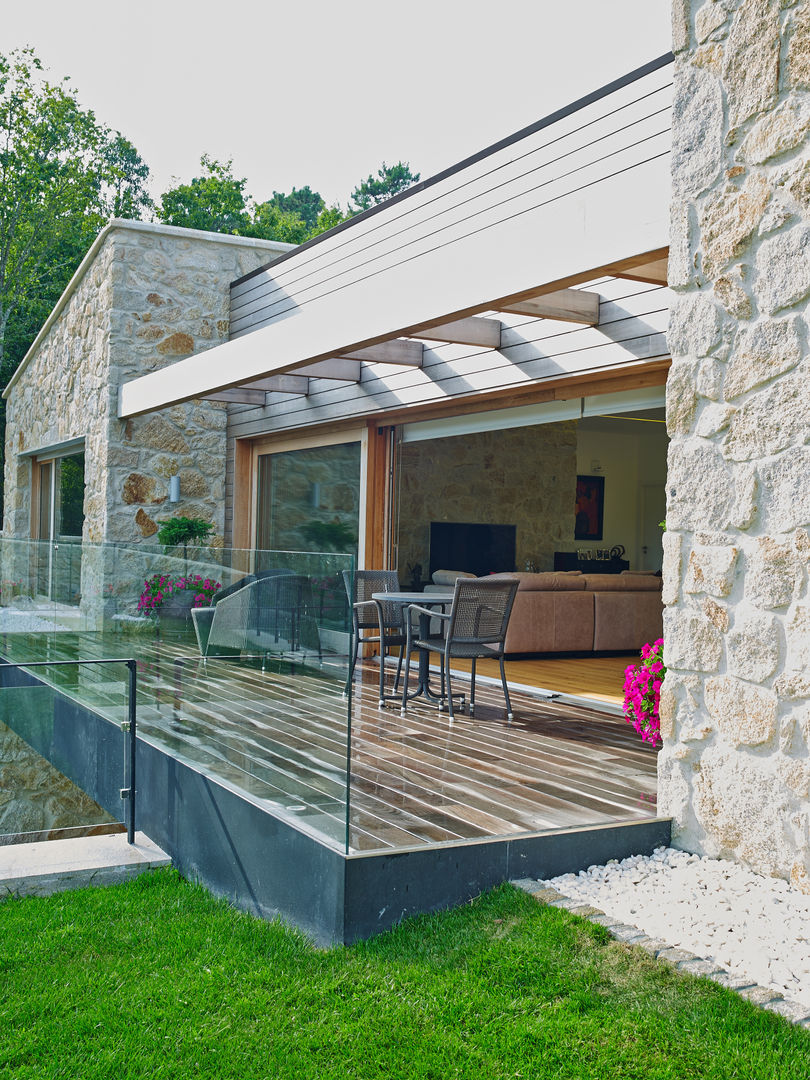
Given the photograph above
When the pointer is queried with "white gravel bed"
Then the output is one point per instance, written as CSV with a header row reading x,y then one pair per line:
x,y
755,927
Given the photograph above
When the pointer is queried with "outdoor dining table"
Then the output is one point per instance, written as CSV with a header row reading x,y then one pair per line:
x,y
431,599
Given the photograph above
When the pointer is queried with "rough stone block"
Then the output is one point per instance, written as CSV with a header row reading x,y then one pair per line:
x,y
693,644
773,574
753,647
711,569
779,131
697,131
783,269
784,502
695,325
771,420
768,349
731,292
751,71
745,714
729,218
760,995
701,490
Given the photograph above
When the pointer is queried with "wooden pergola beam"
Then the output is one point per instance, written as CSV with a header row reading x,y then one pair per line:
x,y
471,331
238,396
280,384
567,305
339,367
395,351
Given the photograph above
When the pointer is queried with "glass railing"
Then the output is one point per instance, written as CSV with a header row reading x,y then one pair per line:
x,y
242,660
50,761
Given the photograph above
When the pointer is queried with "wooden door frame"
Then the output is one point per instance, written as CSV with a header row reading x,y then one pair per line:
x,y
246,477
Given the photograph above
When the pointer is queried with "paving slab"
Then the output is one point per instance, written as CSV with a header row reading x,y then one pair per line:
x,y
40,869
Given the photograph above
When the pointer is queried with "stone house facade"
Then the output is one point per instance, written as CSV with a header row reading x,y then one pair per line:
x,y
735,768
734,771
144,296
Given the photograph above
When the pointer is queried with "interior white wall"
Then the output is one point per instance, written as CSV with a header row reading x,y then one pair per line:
x,y
630,454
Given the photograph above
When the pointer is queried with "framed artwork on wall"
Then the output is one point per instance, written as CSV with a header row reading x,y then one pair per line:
x,y
590,508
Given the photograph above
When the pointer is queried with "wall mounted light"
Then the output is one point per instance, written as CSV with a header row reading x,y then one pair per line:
x,y
315,495
174,489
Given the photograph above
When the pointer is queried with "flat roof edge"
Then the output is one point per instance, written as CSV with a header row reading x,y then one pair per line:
x,y
574,106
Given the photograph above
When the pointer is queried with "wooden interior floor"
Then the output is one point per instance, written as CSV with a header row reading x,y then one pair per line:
x,y
280,737
599,678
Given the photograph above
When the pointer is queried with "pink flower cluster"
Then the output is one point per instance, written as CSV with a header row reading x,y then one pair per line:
x,y
157,588
642,692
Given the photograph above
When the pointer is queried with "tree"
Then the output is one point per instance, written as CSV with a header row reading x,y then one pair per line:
x,y
327,219
389,181
214,202
268,222
304,202
62,174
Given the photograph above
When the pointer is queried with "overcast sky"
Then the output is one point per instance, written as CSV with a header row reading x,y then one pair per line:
x,y
320,92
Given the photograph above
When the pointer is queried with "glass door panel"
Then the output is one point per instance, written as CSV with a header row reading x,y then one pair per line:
x,y
309,500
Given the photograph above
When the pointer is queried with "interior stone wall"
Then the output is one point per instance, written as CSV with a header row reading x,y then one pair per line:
x,y
524,476
735,767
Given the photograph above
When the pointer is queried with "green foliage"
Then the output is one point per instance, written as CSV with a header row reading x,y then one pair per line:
x,y
327,219
269,222
217,202
62,174
155,978
183,530
389,181
303,202
214,202
330,535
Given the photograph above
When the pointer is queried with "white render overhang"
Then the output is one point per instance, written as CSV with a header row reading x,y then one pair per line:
x,y
452,248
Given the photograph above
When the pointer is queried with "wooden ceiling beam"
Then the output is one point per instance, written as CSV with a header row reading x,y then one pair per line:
x,y
280,384
239,396
338,367
471,331
395,351
567,305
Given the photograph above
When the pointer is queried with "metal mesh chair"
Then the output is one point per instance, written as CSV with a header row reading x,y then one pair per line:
x,y
474,627
386,620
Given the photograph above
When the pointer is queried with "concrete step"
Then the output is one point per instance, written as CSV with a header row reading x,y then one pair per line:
x,y
51,866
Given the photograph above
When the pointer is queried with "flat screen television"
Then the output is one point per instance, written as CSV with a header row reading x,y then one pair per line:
x,y
478,549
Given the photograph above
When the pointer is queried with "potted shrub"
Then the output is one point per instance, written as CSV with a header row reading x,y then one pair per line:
x,y
171,598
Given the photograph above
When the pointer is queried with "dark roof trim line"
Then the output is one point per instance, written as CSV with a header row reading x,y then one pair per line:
x,y
552,118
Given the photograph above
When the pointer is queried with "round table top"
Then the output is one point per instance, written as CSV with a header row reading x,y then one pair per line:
x,y
425,599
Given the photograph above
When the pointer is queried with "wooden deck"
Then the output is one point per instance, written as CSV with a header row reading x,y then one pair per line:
x,y
280,737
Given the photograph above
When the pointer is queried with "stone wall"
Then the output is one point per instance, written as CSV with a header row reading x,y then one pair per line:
x,y
735,768
524,477
35,797
149,295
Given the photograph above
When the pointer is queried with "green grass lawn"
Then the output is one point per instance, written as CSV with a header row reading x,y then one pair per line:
x,y
157,979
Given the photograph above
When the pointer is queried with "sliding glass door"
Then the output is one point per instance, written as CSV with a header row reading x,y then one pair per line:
x,y
58,516
309,499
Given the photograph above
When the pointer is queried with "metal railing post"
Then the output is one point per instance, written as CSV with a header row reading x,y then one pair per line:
x,y
131,717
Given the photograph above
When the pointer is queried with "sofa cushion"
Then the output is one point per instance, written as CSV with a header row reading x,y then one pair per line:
x,y
449,577
547,621
553,581
622,583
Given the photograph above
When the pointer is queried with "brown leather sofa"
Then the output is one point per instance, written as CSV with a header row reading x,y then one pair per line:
x,y
575,612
